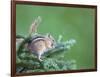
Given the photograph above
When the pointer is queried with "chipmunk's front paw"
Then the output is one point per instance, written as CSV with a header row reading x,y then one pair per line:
x,y
40,60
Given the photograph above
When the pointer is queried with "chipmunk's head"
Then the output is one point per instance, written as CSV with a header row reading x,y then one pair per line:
x,y
50,41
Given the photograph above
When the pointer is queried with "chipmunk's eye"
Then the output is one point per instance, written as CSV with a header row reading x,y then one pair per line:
x,y
53,40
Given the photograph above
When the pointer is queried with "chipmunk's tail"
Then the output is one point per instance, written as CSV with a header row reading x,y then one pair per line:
x,y
34,25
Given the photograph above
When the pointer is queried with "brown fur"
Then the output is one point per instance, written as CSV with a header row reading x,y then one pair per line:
x,y
40,45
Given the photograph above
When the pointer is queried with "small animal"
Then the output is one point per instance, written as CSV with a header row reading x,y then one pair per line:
x,y
41,44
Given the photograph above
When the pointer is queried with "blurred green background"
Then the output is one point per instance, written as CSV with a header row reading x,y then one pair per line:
x,y
70,22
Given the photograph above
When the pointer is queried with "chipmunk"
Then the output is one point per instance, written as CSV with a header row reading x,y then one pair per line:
x,y
40,44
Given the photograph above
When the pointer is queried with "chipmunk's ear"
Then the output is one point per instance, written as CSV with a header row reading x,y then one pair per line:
x,y
48,35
